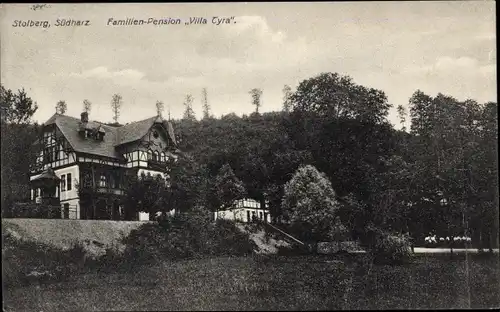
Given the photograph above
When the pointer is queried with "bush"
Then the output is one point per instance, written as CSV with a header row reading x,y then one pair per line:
x,y
230,241
191,235
34,210
26,262
145,243
391,249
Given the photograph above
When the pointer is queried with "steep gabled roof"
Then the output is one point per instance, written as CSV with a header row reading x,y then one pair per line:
x,y
134,131
114,136
69,127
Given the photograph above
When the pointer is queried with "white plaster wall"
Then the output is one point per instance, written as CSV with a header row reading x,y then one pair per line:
x,y
75,176
70,197
73,213
143,216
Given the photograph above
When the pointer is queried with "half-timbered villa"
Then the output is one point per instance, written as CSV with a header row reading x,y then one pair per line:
x,y
88,155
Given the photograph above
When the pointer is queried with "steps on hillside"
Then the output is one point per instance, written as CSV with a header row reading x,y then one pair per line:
x,y
267,243
270,239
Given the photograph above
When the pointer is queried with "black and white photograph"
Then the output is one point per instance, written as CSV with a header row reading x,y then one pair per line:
x,y
263,156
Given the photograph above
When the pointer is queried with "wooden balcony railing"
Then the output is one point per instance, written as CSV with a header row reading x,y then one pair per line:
x,y
157,165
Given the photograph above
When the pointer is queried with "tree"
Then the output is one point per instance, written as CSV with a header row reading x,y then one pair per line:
x,y
309,202
205,105
287,94
18,151
334,96
17,154
454,186
61,107
228,187
256,95
188,111
17,108
116,104
189,183
147,194
159,108
87,106
483,177
339,232
402,114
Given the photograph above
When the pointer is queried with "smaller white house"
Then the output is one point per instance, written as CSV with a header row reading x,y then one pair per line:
x,y
244,210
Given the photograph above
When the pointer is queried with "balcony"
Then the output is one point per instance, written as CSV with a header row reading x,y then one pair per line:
x,y
109,190
157,165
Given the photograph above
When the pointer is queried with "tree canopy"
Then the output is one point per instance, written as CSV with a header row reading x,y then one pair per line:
x,y
309,201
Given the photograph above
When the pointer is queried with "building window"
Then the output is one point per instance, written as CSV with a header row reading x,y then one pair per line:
x,y
63,183
248,216
69,184
103,182
48,155
115,180
66,211
56,152
163,156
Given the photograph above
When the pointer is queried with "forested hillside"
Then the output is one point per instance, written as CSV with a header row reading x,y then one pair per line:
x,y
439,173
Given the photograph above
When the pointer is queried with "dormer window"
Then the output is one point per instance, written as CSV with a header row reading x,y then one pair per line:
x,y
99,136
92,133
155,134
100,133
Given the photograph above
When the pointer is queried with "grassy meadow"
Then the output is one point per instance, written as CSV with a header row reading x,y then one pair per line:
x,y
271,283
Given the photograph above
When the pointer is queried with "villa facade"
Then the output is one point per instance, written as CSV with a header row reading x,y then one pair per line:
x,y
245,210
78,154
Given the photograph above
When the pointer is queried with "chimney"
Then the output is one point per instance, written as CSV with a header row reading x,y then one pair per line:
x,y
85,117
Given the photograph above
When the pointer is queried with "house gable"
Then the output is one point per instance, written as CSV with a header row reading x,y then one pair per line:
x,y
54,150
156,139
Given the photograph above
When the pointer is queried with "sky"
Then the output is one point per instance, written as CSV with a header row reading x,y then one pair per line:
x,y
397,47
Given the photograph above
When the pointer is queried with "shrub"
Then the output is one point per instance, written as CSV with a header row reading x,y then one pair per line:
x,y
26,261
191,235
391,249
145,243
229,240
35,210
